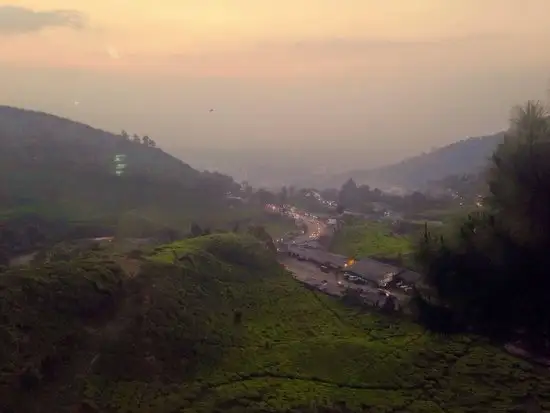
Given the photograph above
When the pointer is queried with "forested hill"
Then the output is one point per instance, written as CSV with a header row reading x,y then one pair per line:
x,y
54,167
462,157
36,136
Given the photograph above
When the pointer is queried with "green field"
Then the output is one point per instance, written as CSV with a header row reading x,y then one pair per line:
x,y
444,215
371,239
228,330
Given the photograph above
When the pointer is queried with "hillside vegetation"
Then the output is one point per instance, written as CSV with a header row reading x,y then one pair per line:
x,y
214,324
58,179
58,167
371,239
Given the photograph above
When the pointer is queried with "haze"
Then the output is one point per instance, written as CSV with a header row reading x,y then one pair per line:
x,y
302,84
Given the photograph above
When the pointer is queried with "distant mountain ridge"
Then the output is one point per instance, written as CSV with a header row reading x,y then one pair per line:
x,y
462,157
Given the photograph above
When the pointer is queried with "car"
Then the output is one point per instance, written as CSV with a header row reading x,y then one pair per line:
x,y
324,268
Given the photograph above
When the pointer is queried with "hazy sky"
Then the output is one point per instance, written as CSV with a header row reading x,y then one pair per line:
x,y
362,81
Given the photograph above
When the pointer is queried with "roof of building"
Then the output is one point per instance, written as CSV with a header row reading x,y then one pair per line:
x,y
373,270
319,256
410,277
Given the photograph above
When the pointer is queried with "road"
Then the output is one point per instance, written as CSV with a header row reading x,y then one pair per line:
x,y
331,282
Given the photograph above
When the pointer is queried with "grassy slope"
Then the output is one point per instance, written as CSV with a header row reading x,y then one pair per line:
x,y
277,226
370,239
176,344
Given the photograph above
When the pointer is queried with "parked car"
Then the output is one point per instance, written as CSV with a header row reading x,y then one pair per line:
x,y
347,275
358,280
324,268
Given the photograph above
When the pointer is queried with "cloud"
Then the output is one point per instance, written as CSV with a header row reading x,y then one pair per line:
x,y
19,20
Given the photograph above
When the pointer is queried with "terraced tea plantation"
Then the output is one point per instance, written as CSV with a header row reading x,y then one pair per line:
x,y
226,329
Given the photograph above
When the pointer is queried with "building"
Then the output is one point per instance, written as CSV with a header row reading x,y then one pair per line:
x,y
374,272
408,277
318,256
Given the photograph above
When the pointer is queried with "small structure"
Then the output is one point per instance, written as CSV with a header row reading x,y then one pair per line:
x,y
408,277
318,256
373,271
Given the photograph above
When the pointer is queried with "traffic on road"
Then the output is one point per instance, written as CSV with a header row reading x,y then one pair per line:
x,y
309,262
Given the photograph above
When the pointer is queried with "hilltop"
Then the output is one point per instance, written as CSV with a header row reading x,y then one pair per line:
x,y
35,137
463,157
214,324
56,170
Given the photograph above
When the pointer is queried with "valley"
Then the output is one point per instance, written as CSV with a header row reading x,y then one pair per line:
x,y
168,289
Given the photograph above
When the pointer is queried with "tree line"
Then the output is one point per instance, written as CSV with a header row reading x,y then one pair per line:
x,y
492,274
144,140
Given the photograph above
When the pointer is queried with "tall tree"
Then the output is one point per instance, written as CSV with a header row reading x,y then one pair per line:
x,y
348,194
494,273
196,230
520,175
261,234
283,195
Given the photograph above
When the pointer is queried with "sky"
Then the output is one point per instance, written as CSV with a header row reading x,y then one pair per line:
x,y
337,84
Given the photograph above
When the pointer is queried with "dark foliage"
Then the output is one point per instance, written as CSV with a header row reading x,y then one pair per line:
x,y
44,315
494,274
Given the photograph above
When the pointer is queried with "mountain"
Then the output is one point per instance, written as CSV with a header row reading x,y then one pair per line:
x,y
215,324
462,157
64,170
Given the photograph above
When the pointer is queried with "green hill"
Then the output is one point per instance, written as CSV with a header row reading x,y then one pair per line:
x,y
54,171
214,324
55,164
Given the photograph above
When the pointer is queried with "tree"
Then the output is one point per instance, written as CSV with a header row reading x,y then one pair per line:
x,y
147,141
263,197
493,272
291,191
196,230
348,193
136,138
261,234
520,175
283,195
246,189
125,135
